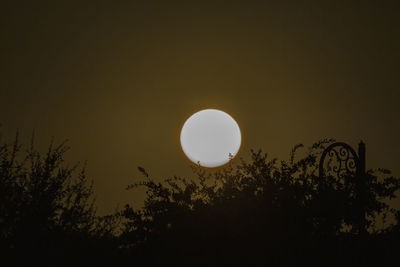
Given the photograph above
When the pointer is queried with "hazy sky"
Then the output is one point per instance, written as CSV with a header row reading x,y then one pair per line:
x,y
119,78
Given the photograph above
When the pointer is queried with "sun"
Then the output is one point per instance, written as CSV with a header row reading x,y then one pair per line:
x,y
210,138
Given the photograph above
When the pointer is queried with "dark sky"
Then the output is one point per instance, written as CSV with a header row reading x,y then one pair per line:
x,y
119,78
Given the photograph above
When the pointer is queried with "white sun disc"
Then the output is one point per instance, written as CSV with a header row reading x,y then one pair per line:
x,y
209,137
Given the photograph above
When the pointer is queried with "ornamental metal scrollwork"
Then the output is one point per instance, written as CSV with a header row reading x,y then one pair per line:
x,y
338,160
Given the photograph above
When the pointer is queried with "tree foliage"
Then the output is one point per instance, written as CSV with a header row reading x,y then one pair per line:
x,y
260,211
257,211
46,207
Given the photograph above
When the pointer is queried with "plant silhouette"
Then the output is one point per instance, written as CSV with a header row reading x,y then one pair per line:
x,y
47,211
261,211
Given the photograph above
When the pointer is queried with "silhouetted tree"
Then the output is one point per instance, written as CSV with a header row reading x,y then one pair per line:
x,y
47,213
262,211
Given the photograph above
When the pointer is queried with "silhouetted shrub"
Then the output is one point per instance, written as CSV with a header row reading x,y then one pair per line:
x,y
47,212
262,211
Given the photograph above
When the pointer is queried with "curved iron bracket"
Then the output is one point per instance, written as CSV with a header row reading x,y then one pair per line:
x,y
346,160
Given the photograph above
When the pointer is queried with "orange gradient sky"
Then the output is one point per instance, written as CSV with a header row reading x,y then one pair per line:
x,y
120,79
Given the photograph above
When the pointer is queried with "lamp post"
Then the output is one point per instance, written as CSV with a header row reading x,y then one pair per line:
x,y
339,160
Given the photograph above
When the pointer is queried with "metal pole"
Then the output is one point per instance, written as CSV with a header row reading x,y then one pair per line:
x,y
361,157
362,187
